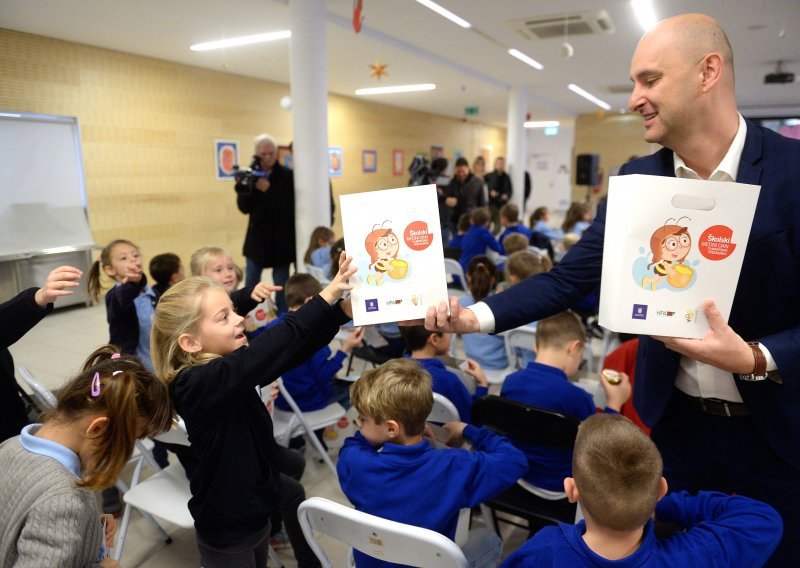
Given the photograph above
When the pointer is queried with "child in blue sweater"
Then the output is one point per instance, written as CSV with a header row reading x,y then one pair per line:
x,y
617,481
424,346
544,383
509,218
478,237
388,469
313,383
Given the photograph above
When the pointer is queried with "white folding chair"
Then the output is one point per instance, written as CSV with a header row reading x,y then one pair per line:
x,y
540,252
317,273
443,410
467,380
523,337
495,257
287,424
453,268
380,538
43,397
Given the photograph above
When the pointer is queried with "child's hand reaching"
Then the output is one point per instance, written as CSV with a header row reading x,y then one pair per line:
x,y
354,340
616,394
263,291
339,285
473,369
134,276
273,394
57,284
455,431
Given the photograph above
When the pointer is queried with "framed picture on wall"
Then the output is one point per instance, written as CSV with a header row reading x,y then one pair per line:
x,y
369,161
398,162
437,152
227,156
335,161
285,157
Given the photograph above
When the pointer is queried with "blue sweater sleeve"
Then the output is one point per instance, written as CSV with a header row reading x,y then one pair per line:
x,y
326,372
734,530
491,242
496,464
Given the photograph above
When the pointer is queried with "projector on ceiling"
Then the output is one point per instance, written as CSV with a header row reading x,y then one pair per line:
x,y
781,77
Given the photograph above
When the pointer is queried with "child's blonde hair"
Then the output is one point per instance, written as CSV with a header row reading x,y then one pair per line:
x,y
93,279
202,257
559,330
179,311
397,390
523,264
617,470
515,242
135,402
317,235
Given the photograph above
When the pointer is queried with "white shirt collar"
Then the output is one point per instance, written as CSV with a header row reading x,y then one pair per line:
x,y
50,449
728,168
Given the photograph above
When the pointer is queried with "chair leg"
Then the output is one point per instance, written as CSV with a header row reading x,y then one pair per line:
x,y
323,454
349,363
126,515
490,518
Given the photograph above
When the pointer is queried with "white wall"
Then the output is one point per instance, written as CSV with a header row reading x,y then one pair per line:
x,y
551,169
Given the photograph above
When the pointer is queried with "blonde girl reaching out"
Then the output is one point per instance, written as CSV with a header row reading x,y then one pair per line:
x,y
49,515
201,351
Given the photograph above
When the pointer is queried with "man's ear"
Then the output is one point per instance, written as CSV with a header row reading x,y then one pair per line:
x,y
712,68
189,343
571,489
392,428
96,426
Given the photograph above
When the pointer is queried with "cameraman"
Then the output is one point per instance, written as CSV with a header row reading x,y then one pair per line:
x,y
267,195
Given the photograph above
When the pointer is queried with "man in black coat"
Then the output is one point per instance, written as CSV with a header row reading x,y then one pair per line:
x,y
269,200
499,184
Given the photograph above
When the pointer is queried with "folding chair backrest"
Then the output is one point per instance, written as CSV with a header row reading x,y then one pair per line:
x,y
453,268
317,273
443,410
41,395
521,337
177,434
380,538
524,423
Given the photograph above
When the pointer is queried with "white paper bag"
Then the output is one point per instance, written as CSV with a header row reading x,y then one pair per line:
x,y
670,244
395,240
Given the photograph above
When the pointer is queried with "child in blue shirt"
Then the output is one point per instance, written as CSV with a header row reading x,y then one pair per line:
x,y
390,470
544,383
509,218
318,252
539,219
617,479
463,226
488,350
424,346
313,384
478,237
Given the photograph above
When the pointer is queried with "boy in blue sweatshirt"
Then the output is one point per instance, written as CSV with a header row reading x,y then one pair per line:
x,y
509,218
478,237
618,484
313,384
390,470
544,383
424,346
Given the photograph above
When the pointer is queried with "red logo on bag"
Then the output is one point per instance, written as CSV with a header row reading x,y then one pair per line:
x,y
716,242
417,236
261,315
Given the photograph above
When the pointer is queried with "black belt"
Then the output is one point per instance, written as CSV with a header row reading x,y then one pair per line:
x,y
718,407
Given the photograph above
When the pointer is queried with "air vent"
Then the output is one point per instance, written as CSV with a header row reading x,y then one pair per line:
x,y
576,23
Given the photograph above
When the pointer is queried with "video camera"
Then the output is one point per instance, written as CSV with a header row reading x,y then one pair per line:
x,y
246,177
419,170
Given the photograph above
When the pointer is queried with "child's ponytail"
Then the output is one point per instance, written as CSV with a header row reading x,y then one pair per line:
x,y
134,402
481,276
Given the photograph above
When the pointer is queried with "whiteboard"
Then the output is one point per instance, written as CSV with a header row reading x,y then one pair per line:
x,y
42,192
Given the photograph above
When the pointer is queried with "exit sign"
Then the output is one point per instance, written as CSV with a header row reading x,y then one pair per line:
x,y
471,111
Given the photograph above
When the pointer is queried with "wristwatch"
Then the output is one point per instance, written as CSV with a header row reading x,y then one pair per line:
x,y
760,370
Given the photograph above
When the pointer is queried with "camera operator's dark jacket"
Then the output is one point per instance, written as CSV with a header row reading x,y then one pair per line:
x,y
270,230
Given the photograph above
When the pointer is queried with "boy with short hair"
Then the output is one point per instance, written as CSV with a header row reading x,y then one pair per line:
x,y
617,479
424,346
312,384
478,238
388,469
509,218
514,242
167,270
544,383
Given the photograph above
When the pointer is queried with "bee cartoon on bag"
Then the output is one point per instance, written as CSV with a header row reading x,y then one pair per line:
x,y
670,244
383,246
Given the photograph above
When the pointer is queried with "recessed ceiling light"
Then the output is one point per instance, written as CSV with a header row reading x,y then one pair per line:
x,y
588,96
396,89
644,13
242,40
445,12
540,123
525,59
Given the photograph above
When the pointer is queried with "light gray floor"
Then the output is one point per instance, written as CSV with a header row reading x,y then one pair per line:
x,y
55,350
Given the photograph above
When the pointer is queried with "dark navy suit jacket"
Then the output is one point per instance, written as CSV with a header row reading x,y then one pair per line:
x,y
766,307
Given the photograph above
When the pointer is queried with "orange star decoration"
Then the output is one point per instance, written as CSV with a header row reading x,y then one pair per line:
x,y
378,70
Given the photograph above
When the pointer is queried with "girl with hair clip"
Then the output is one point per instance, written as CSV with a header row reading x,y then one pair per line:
x,y
201,352
215,263
318,252
49,515
488,350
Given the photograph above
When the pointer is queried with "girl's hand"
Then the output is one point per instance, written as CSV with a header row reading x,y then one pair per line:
x,y
111,529
132,276
474,370
355,339
56,285
339,285
263,291
273,394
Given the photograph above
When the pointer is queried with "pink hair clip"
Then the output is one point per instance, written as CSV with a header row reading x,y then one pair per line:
x,y
96,385
116,356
